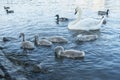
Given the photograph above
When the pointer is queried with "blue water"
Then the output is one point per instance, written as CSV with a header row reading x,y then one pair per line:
x,y
102,60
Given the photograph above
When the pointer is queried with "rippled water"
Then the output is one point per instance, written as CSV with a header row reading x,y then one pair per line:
x,y
102,60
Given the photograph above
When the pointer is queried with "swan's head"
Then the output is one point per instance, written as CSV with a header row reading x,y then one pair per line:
x,y
21,34
77,9
58,51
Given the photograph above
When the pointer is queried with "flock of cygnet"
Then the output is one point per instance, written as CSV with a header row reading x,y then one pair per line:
x,y
78,24
59,50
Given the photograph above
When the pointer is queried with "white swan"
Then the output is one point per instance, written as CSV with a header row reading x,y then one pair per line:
x,y
26,45
42,42
84,24
60,52
58,39
81,37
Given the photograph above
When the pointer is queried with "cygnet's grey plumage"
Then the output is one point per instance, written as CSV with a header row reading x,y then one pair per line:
x,y
81,37
60,52
26,44
42,42
58,39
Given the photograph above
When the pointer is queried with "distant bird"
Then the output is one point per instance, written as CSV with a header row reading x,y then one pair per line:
x,y
5,39
9,11
43,42
6,7
60,52
26,45
58,39
62,19
103,12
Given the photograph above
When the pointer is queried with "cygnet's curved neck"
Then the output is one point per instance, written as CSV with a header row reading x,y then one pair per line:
x,y
36,41
23,37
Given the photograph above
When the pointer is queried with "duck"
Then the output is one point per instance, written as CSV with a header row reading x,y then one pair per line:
x,y
83,38
26,45
58,39
62,19
9,11
5,39
71,53
85,24
43,42
103,12
6,7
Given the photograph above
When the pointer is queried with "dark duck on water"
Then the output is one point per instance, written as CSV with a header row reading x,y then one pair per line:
x,y
62,19
6,7
103,12
9,11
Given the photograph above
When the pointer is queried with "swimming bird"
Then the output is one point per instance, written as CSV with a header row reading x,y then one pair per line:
x,y
6,7
43,42
26,45
9,11
5,39
60,52
62,19
82,38
58,39
84,24
103,12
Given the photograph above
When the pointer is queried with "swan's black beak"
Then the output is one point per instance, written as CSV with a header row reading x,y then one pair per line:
x,y
75,11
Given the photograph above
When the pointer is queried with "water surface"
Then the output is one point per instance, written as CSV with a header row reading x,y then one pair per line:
x,y
102,59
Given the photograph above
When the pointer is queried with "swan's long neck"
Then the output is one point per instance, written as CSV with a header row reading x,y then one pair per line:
x,y
79,12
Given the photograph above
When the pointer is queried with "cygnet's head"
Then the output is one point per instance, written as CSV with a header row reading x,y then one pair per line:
x,y
58,51
36,37
21,34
